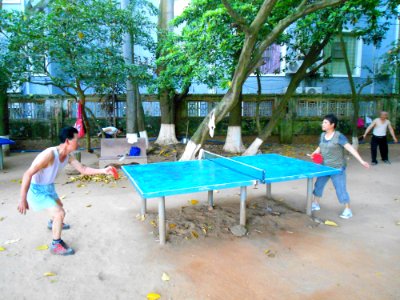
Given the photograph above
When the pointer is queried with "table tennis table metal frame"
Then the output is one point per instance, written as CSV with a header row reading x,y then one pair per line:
x,y
243,198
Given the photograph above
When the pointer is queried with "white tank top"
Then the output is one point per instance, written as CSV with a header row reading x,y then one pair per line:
x,y
381,127
48,175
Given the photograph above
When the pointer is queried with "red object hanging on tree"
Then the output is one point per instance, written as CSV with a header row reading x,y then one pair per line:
x,y
79,121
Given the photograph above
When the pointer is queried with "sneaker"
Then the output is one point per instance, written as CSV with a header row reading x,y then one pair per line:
x,y
374,163
346,214
315,206
387,162
50,225
61,248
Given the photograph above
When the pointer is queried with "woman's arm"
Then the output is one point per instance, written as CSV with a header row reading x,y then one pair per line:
x,y
354,152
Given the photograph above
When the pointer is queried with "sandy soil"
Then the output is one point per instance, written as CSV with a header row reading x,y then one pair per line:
x,y
285,255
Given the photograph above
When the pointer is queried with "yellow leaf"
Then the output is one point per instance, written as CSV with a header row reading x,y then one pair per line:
x,y
2,218
81,35
89,205
153,296
79,185
267,251
2,249
48,274
42,247
193,202
165,277
171,226
153,222
195,234
330,223
398,223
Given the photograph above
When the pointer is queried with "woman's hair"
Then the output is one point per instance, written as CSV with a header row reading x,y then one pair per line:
x,y
332,119
67,133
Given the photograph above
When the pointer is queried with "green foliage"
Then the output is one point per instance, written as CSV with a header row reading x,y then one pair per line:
x,y
77,44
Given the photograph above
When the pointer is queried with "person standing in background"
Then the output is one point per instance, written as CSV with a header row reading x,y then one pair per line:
x,y
380,126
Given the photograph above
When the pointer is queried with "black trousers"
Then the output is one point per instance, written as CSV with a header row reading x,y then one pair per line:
x,y
380,141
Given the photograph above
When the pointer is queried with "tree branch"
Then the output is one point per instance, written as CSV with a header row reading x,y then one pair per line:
x,y
262,15
239,20
284,23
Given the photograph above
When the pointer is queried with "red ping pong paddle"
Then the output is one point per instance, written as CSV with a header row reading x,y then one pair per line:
x,y
317,158
115,173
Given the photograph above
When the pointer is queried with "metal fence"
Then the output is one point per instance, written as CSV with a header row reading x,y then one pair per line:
x,y
46,109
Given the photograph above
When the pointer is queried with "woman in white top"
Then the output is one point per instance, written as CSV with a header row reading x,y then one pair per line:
x,y
380,126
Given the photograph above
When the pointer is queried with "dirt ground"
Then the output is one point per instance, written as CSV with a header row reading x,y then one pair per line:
x,y
284,255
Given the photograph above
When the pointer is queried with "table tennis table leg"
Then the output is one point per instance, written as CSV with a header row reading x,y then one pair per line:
x,y
309,195
243,196
1,157
143,207
211,199
161,220
269,194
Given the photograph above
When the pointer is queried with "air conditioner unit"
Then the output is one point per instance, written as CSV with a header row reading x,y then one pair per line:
x,y
293,66
312,90
299,90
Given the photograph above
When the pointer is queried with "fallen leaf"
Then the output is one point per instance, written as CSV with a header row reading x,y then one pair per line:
x,y
63,197
89,205
2,249
195,234
48,274
193,202
154,223
267,251
330,223
42,247
171,226
153,296
79,185
2,219
165,277
398,223
11,241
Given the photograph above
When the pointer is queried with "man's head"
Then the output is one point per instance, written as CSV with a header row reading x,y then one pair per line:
x,y
383,115
329,120
69,137
120,130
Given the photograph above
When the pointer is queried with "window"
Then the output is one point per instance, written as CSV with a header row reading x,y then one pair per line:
x,y
272,60
334,50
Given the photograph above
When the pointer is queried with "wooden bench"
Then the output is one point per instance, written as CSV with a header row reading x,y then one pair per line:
x,y
116,152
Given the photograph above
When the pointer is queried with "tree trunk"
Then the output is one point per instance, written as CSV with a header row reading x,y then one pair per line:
x,y
279,111
82,99
4,121
354,97
140,118
233,143
167,134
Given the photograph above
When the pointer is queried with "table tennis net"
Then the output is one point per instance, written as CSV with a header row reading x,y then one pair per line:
x,y
234,165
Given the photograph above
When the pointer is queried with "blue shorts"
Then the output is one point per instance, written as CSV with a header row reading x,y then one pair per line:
x,y
339,182
41,196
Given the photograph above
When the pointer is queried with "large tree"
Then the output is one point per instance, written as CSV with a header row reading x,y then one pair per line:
x,y
312,34
269,17
76,45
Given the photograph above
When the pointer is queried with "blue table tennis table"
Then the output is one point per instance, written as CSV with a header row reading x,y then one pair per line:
x,y
3,141
159,180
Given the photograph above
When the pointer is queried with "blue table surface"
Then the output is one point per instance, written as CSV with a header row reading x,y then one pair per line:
x,y
182,177
4,141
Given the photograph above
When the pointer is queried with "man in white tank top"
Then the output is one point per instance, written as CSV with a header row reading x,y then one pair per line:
x,y
380,126
37,188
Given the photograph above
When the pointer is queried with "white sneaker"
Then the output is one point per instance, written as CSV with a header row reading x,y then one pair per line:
x,y
315,206
346,214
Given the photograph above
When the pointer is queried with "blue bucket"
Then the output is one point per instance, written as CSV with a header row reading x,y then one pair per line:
x,y
134,151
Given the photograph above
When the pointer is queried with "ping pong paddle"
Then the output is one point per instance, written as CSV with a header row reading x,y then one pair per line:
x,y
317,158
115,173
